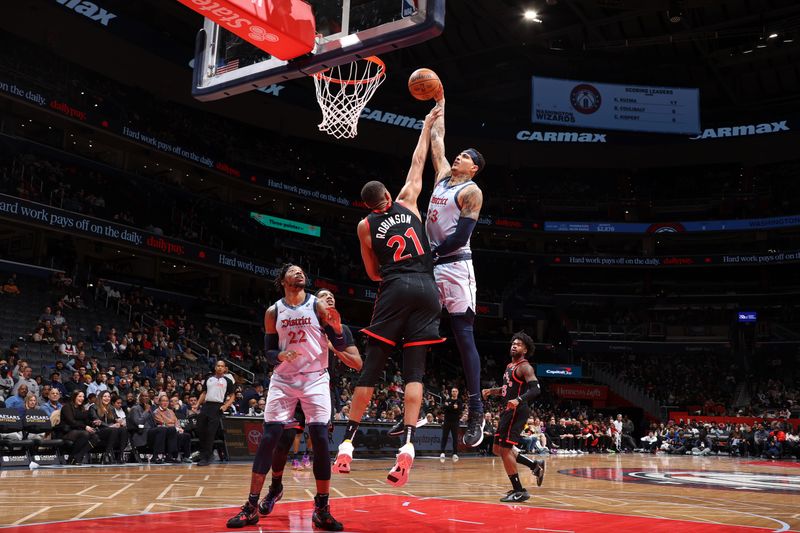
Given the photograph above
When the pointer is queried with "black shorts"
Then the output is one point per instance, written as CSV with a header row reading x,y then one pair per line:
x,y
512,422
406,311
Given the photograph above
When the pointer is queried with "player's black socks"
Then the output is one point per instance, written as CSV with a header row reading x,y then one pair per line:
x,y
408,434
515,482
521,459
321,501
252,499
277,484
350,431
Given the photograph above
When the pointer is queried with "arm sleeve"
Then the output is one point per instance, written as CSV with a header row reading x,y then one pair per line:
x,y
337,339
534,389
230,389
458,238
271,348
348,336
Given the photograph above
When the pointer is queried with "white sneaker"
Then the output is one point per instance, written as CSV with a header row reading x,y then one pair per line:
x,y
398,475
441,458
342,463
455,458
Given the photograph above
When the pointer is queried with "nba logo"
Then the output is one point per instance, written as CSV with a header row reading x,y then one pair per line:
x,y
409,7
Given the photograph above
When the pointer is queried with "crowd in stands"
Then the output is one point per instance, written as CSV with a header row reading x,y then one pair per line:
x,y
772,439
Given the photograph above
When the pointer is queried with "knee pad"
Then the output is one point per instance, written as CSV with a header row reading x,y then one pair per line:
x,y
414,363
322,460
375,357
263,460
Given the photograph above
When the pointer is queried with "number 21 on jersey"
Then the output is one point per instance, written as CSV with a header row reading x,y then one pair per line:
x,y
399,244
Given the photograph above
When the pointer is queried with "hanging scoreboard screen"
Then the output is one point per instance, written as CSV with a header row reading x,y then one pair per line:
x,y
606,106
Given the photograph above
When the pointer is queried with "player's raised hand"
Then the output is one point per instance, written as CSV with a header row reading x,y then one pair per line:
x,y
431,117
486,393
334,319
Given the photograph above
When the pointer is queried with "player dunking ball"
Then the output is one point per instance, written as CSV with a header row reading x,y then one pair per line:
x,y
395,252
453,212
297,328
519,389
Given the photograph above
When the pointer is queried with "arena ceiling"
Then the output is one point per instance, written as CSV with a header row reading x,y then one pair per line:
x,y
744,55
488,51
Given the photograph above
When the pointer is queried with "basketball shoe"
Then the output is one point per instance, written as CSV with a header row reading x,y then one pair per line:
x,y
342,463
323,519
306,462
266,505
473,436
398,475
538,472
515,497
398,428
246,517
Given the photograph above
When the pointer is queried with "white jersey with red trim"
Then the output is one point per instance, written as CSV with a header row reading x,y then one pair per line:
x,y
299,329
443,214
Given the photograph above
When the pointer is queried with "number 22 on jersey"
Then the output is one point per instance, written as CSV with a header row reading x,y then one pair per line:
x,y
296,337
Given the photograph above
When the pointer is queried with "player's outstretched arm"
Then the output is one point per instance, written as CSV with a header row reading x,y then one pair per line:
x,y
367,253
441,165
410,191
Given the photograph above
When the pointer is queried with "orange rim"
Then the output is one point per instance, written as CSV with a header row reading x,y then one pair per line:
x,y
372,59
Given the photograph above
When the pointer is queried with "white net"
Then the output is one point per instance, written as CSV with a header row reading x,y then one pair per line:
x,y
342,93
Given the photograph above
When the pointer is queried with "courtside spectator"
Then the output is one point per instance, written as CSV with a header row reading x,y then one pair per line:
x,y
76,426
17,401
111,430
53,403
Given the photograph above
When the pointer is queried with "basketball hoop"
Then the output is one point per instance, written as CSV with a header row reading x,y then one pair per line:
x,y
343,91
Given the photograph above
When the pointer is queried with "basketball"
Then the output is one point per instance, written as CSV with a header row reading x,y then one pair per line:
x,y
424,84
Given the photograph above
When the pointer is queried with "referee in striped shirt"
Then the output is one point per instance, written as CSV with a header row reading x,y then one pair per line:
x,y
216,398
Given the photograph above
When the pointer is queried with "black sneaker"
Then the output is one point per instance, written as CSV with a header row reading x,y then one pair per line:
x,y
473,436
265,506
538,472
516,497
246,517
399,427
323,519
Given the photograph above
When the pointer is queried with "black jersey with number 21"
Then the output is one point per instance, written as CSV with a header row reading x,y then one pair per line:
x,y
399,241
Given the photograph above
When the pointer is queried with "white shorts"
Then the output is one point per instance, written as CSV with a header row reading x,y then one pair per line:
x,y
311,390
456,283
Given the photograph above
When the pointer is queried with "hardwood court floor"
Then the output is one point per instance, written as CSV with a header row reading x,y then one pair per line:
x,y
704,492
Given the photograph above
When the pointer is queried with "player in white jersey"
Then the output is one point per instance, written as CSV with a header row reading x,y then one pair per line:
x,y
452,215
298,328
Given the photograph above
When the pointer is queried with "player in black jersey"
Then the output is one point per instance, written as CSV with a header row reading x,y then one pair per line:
x,y
519,389
395,251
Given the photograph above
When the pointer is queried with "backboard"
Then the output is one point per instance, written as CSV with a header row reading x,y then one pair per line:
x,y
225,64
